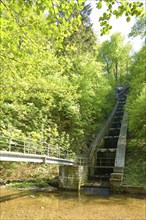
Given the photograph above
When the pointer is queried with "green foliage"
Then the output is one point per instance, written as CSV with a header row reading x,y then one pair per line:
x,y
115,54
94,89
134,173
138,28
137,114
82,40
27,172
51,90
137,100
117,9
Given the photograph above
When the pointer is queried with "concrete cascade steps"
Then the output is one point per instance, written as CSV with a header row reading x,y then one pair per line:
x,y
116,125
106,155
118,119
114,131
107,162
111,141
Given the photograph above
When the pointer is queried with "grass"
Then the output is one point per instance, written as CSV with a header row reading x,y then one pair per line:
x,y
28,185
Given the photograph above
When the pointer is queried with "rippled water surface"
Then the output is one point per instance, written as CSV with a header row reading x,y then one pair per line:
x,y
28,205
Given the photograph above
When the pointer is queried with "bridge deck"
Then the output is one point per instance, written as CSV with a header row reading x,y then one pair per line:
x,y
12,149
22,157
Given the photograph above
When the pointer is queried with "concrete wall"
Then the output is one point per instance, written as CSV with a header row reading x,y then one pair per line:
x,y
117,175
72,177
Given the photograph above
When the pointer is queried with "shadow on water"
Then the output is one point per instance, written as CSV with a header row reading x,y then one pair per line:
x,y
13,196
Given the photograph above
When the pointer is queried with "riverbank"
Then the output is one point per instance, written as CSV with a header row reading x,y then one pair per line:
x,y
134,172
41,177
32,188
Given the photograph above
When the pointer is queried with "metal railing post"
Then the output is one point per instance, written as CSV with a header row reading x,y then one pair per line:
x,y
48,149
58,151
9,147
24,148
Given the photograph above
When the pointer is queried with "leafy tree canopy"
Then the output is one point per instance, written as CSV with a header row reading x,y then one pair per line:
x,y
49,88
138,28
118,8
114,54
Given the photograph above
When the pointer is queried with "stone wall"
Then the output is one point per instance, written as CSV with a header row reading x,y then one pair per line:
x,y
72,177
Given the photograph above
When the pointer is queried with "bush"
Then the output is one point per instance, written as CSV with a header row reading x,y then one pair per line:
x,y
136,105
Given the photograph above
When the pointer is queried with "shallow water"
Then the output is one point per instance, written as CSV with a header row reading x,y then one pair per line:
x,y
29,205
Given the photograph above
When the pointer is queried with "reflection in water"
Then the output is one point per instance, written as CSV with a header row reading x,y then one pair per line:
x,y
96,190
13,196
88,193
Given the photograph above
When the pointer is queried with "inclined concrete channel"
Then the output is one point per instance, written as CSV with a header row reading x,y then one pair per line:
x,y
106,155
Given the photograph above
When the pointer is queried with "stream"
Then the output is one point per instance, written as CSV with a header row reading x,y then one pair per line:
x,y
30,205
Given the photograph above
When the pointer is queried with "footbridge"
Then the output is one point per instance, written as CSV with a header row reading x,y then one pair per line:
x,y
16,150
73,169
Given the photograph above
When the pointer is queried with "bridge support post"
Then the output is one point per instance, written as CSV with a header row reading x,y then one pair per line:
x,y
72,177
92,165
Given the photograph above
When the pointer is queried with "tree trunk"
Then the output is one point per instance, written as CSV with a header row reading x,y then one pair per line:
x,y
116,70
107,67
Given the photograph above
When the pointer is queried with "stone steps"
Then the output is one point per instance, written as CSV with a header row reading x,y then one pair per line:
x,y
110,141
114,132
115,124
106,150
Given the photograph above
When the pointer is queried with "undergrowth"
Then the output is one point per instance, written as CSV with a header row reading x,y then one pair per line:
x,y
27,172
135,168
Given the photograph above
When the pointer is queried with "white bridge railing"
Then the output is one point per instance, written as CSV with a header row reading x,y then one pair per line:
x,y
12,149
29,147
